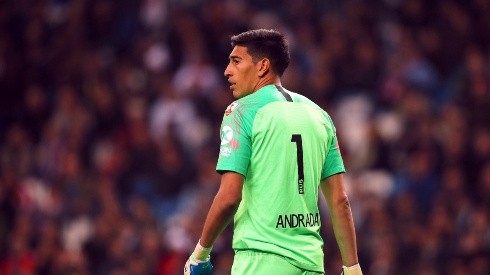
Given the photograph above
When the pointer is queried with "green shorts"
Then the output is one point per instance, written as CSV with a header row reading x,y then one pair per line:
x,y
258,263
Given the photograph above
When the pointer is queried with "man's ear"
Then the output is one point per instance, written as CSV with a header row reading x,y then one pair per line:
x,y
264,66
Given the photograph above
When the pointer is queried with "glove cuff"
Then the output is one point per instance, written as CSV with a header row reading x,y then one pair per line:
x,y
352,270
201,253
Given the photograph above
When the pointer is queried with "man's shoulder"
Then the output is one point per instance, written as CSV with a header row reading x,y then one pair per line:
x,y
310,103
231,108
248,105
302,99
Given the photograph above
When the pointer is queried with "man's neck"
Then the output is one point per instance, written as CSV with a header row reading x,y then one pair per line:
x,y
268,80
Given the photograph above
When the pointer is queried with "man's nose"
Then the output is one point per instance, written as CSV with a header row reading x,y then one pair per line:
x,y
227,72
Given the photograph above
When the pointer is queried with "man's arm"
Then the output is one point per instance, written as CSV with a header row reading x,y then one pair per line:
x,y
340,212
220,214
223,208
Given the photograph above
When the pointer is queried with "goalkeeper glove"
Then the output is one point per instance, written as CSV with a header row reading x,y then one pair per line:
x,y
199,262
351,270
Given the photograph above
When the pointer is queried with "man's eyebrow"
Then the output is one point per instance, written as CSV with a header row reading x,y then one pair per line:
x,y
234,57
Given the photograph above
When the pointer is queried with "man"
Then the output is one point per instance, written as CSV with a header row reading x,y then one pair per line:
x,y
278,149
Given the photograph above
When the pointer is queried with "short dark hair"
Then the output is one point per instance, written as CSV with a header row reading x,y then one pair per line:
x,y
262,43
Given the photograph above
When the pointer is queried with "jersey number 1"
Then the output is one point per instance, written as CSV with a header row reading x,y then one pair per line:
x,y
299,158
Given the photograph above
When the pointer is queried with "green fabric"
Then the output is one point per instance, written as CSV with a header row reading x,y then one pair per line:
x,y
261,138
256,263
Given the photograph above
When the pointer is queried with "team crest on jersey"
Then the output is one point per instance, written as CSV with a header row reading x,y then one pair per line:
x,y
230,108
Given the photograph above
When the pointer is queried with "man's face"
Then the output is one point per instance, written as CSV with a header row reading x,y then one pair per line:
x,y
242,73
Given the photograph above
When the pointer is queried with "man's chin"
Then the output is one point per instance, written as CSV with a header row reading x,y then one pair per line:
x,y
236,94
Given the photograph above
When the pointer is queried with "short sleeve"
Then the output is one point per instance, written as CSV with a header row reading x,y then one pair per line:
x,y
235,149
333,162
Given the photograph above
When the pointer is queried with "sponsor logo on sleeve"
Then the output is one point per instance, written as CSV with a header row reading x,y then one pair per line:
x,y
226,140
225,151
226,135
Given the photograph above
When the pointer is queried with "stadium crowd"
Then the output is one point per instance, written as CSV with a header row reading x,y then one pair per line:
x,y
110,114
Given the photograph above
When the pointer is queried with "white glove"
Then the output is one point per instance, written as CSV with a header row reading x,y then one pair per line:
x,y
199,263
351,270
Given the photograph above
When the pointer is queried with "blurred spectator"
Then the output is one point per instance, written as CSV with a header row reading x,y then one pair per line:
x,y
110,111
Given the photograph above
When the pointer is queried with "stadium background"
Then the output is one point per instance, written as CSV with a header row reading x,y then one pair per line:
x,y
110,113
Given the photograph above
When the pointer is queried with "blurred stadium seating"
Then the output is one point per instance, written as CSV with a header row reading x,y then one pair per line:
x,y
110,115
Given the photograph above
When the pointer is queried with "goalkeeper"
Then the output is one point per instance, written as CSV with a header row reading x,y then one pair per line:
x,y
278,149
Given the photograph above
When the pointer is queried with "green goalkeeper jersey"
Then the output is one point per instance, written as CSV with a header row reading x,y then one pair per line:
x,y
284,145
